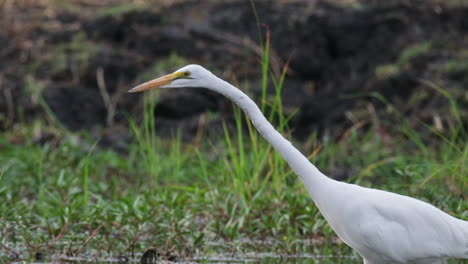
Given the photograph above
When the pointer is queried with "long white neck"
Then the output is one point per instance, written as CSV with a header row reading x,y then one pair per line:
x,y
312,178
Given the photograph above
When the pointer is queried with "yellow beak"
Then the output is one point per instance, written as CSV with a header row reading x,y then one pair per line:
x,y
156,83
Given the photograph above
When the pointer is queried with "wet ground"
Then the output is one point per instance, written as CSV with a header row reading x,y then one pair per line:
x,y
220,259
212,254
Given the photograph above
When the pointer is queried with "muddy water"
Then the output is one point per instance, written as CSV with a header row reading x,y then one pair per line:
x,y
218,259
292,259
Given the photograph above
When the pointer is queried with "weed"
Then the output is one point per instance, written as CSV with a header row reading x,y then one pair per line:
x,y
121,9
414,51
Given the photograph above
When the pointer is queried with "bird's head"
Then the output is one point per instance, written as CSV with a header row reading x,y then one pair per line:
x,y
189,76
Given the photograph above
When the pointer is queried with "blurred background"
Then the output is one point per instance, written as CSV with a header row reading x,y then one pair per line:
x,y
375,93
68,64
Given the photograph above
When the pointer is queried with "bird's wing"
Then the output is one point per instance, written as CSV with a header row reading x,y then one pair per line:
x,y
408,229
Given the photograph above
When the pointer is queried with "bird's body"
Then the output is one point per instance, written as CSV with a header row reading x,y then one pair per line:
x,y
383,227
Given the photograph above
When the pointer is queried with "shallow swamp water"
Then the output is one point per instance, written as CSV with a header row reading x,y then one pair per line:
x,y
218,258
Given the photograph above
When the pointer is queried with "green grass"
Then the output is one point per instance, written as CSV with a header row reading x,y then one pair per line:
x,y
121,9
74,54
178,197
456,66
404,60
163,67
414,51
75,198
235,194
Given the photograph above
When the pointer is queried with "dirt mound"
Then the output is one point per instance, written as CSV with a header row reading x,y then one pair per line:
x,y
340,59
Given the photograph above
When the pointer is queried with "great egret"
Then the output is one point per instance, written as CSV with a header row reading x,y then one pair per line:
x,y
383,227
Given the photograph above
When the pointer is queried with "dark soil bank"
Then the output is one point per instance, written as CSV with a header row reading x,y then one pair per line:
x,y
342,62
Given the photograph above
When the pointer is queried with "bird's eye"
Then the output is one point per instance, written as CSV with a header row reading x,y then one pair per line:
x,y
186,74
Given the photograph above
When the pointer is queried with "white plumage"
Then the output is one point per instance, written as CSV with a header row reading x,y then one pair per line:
x,y
383,227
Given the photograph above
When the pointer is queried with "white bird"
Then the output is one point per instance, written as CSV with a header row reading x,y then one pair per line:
x,y
383,227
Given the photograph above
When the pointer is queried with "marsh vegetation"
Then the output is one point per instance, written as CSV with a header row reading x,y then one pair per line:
x,y
90,173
